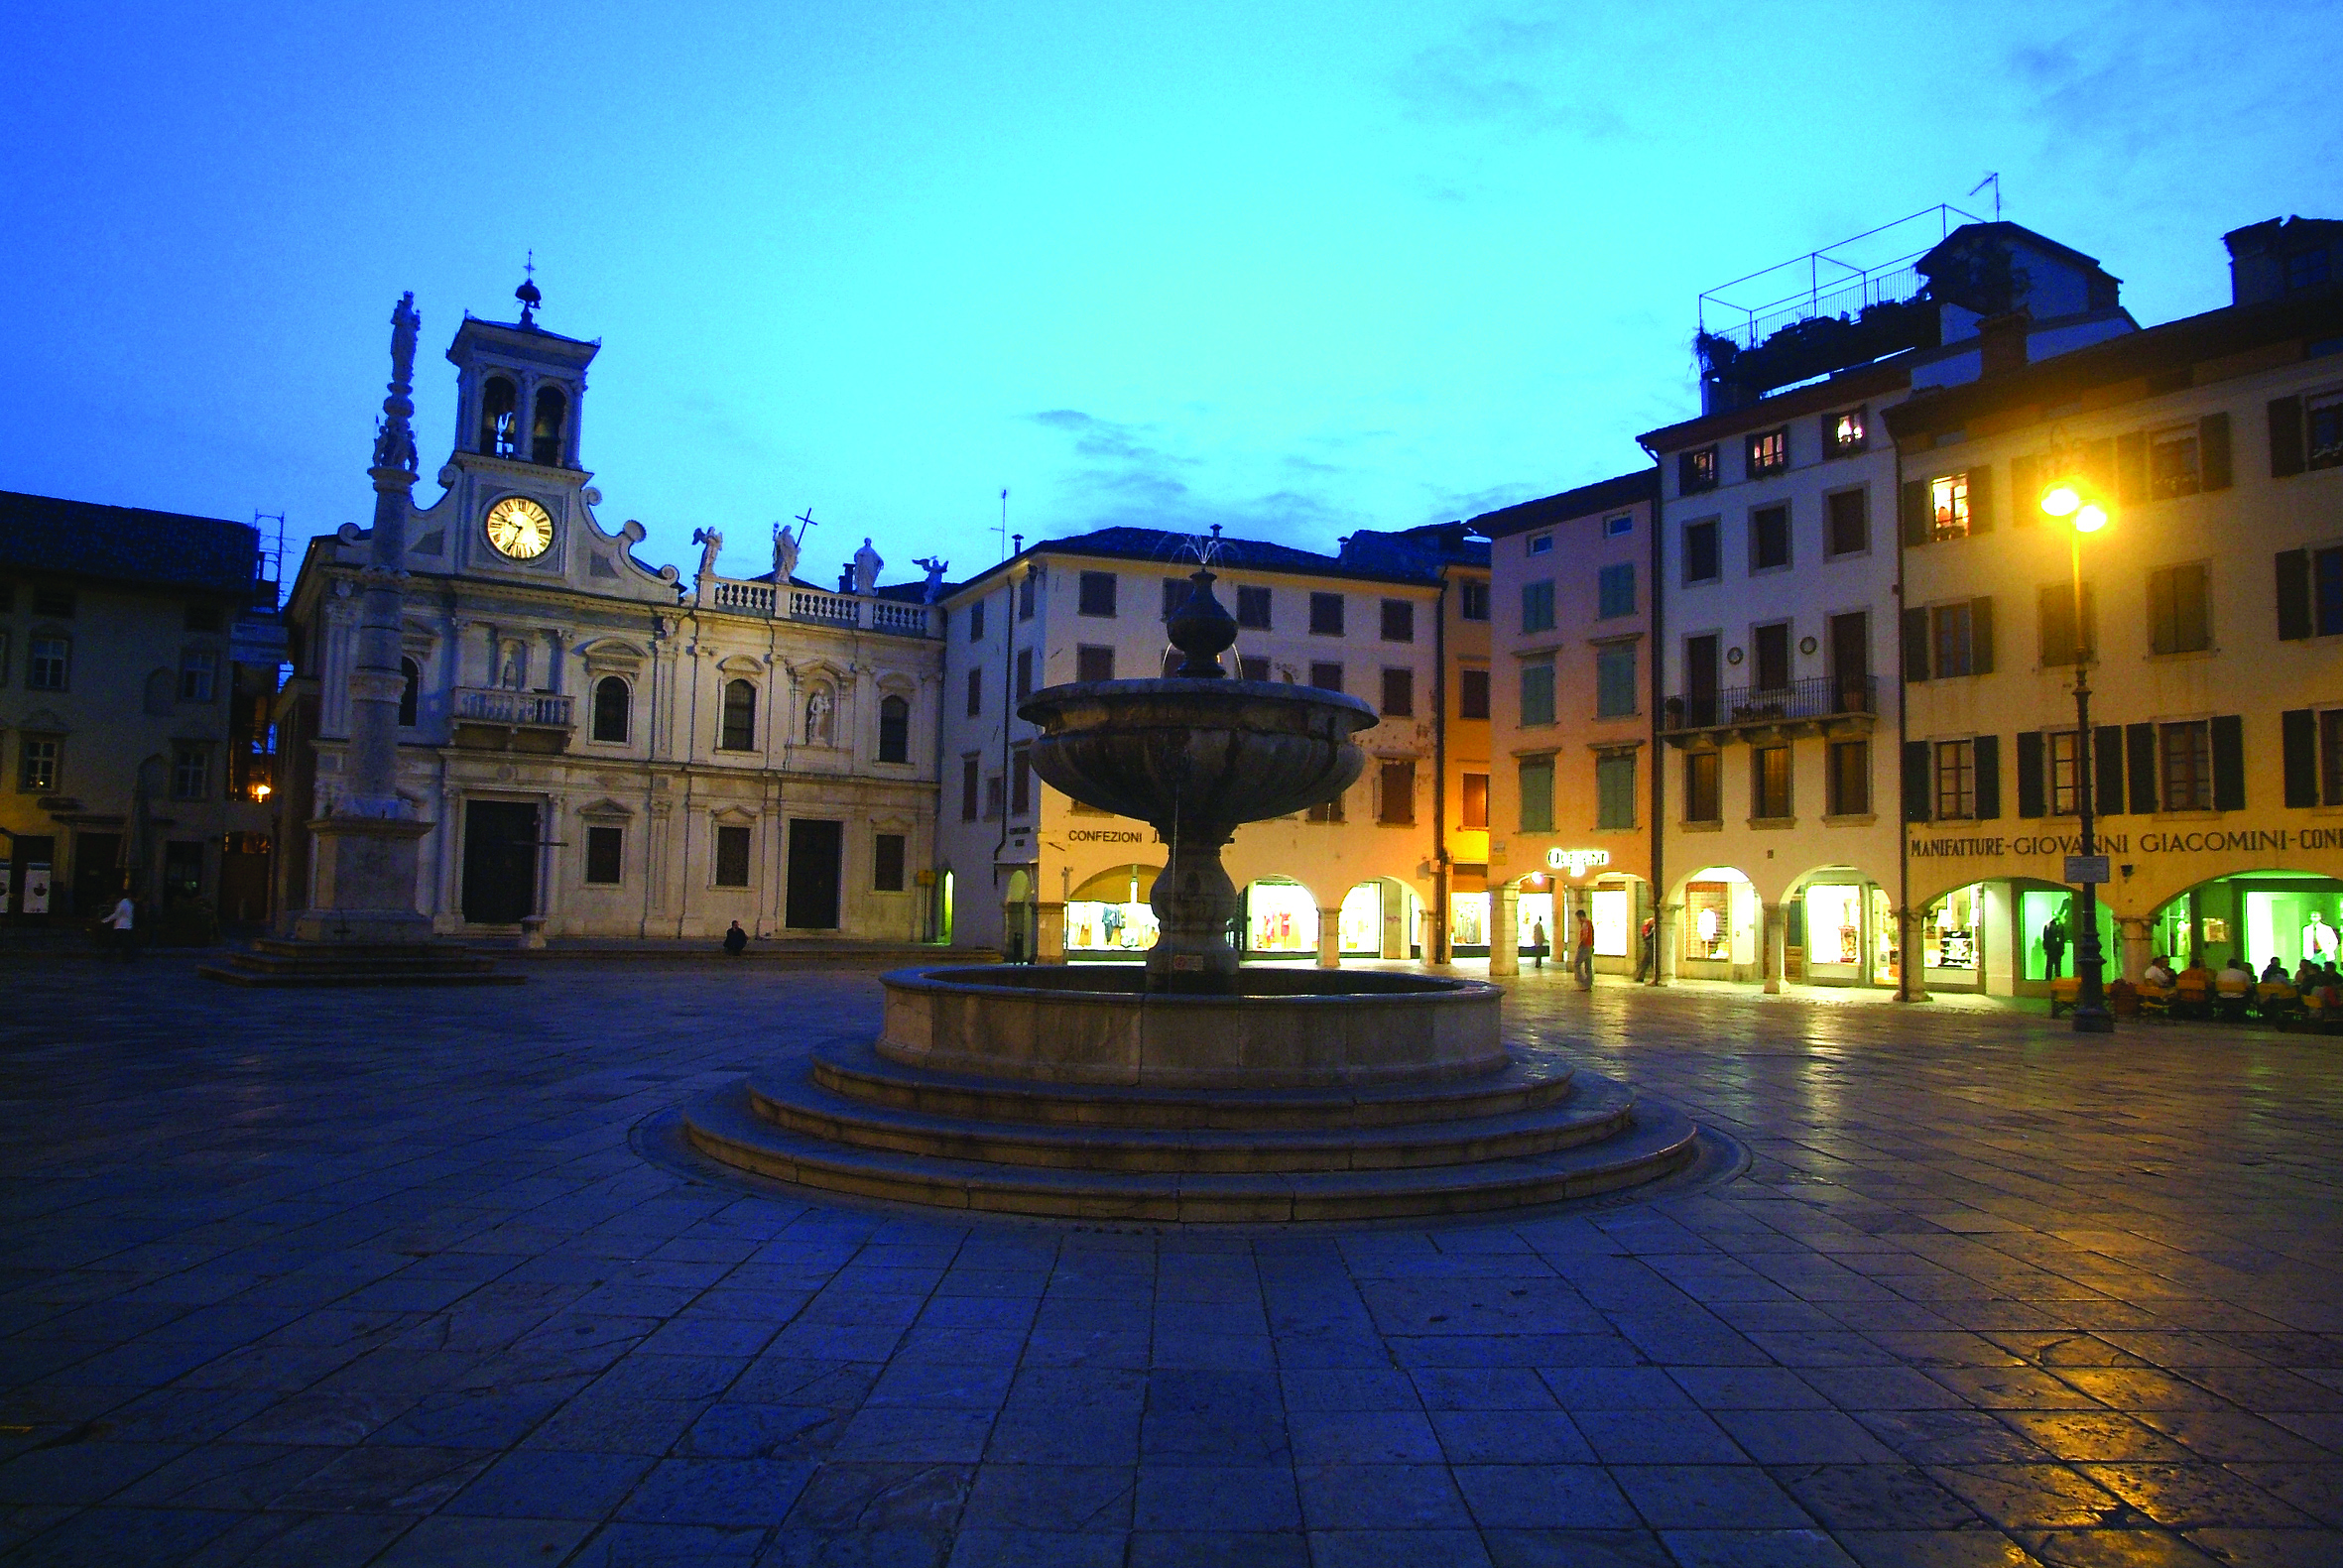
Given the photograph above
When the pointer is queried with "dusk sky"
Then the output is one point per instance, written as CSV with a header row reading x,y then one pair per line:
x,y
1295,268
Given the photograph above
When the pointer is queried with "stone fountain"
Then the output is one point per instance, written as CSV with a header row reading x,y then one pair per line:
x,y
1192,1088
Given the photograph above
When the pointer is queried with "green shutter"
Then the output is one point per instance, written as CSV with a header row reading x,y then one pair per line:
x,y
2294,594
2140,749
2212,452
2030,773
1915,782
1981,636
1987,751
1980,499
2229,763
2106,769
2285,436
1915,645
2298,730
1917,524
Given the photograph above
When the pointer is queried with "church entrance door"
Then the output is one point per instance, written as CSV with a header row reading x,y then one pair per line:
x,y
499,862
814,847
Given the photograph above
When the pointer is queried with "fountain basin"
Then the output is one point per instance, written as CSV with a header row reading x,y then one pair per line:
x,y
1281,1029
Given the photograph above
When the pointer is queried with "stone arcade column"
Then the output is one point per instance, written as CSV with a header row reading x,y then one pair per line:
x,y
2136,935
1912,985
1049,933
1505,932
1772,947
1663,937
1330,938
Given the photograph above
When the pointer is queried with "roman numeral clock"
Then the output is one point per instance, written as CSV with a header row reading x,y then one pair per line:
x,y
518,529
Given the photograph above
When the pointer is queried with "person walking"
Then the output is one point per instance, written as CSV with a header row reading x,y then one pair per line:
x,y
2055,946
1645,954
124,917
1585,951
736,940
1538,943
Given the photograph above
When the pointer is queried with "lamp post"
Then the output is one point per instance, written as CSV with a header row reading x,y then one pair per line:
x,y
2068,502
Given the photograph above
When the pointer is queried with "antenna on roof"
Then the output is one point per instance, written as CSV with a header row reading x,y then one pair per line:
x,y
1994,180
1005,524
269,570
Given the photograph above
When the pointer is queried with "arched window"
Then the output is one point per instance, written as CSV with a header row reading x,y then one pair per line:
x,y
740,718
611,708
894,730
409,691
545,431
500,425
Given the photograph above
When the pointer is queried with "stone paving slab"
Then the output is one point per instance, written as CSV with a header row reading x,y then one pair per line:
x,y
385,1279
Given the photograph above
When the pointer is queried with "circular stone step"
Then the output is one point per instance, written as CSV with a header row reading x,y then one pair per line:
x,y
792,1099
1653,1143
854,1068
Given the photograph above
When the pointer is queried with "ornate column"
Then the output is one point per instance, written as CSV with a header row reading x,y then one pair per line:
x,y
1330,938
1773,955
1505,932
367,846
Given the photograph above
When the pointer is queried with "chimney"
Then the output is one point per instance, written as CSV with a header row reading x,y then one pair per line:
x,y
2001,342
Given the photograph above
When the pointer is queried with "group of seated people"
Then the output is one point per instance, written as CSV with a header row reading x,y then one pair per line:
x,y
2315,990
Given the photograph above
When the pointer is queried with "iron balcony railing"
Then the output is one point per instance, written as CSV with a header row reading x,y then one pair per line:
x,y
1819,698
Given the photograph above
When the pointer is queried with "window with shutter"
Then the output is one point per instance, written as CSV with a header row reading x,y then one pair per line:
x,y
2212,452
2176,619
2326,591
1703,802
2030,773
2229,763
1915,645
1849,777
2107,771
2297,730
1916,781
2174,463
2285,437
2140,755
1980,499
1948,507
1536,774
2065,773
1914,512
2324,423
1981,636
1986,751
2189,766
1614,790
1769,783
2054,614
2131,467
2293,595
1956,782
1952,648
1537,692
2330,751
1614,679
1847,531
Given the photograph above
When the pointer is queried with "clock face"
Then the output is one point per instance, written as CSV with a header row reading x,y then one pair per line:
x,y
519,528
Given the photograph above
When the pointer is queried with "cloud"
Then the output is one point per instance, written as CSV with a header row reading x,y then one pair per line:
x,y
1509,74
1127,475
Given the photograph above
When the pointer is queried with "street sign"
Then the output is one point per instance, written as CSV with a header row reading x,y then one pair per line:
x,y
2085,868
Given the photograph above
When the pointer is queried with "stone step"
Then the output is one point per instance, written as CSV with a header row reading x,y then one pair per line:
x,y
789,1098
1656,1143
278,963
854,1068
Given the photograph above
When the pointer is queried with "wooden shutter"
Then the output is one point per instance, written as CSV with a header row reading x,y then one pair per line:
x,y
2026,491
2029,772
2098,463
1916,781
2106,769
2294,594
2298,730
2131,467
2212,452
1915,643
1981,636
2285,436
1987,750
2229,763
1980,499
1917,524
2139,748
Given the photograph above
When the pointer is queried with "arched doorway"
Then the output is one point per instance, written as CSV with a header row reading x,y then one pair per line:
x,y
2254,915
1717,929
1281,920
1839,929
1016,919
1108,917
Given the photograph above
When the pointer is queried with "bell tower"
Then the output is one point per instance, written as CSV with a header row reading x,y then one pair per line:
x,y
515,472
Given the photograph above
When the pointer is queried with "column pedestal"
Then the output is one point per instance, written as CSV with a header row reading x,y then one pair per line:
x,y
1773,954
2136,935
1505,932
1911,965
1330,938
1049,933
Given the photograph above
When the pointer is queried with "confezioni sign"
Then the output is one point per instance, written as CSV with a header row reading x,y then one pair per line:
x,y
1102,835
2202,841
1576,861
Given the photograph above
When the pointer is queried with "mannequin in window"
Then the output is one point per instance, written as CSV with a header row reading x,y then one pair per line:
x,y
817,717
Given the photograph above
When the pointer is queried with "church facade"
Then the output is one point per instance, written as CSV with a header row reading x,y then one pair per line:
x,y
601,748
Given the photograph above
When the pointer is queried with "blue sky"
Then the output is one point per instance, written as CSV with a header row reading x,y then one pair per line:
x,y
1293,268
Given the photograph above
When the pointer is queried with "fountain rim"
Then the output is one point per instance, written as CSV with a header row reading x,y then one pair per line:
x,y
1234,693
1429,989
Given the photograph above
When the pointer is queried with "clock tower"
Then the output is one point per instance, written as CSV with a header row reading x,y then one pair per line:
x,y
517,491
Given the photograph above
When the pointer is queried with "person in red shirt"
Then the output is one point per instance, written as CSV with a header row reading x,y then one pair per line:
x,y
1585,951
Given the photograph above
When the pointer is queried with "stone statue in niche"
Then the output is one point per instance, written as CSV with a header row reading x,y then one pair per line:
x,y
513,668
819,718
866,568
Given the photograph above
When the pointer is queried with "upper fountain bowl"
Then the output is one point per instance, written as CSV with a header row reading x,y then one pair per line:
x,y
1212,754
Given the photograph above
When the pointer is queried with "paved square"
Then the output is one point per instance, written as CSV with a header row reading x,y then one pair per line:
x,y
280,1288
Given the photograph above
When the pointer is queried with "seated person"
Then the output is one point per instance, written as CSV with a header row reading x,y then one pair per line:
x,y
2306,975
2235,979
2274,973
2197,977
2160,973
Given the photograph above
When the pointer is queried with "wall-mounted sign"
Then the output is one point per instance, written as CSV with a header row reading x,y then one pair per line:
x,y
1102,835
1577,860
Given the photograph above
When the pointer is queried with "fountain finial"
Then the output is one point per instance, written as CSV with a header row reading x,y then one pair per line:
x,y
1203,630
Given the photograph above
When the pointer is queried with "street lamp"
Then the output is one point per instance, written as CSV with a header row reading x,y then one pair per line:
x,y
2072,502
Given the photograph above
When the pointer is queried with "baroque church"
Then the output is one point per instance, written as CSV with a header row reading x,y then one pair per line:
x,y
601,748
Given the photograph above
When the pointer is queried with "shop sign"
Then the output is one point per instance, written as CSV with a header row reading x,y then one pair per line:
x,y
2082,868
2235,841
1102,835
1577,862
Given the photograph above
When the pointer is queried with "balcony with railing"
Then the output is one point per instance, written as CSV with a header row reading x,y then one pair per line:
x,y
861,611
1822,704
495,718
